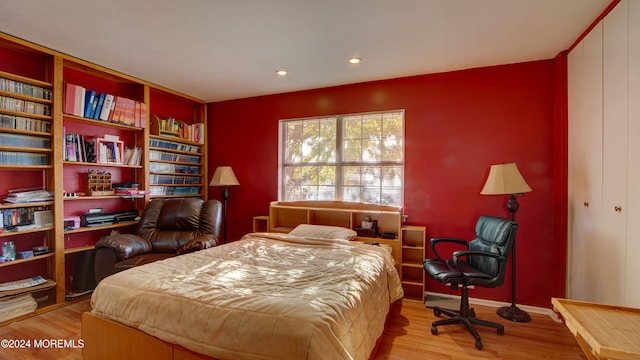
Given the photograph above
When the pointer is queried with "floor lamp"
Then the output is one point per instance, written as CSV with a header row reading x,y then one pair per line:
x,y
505,179
224,176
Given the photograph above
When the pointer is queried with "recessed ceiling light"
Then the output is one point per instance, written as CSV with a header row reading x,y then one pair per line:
x,y
354,60
281,72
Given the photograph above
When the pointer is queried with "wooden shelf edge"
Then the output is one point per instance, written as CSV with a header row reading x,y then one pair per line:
x,y
24,205
173,138
29,231
101,227
25,79
78,249
174,196
44,286
22,261
101,123
66,162
27,115
25,132
25,149
176,151
25,167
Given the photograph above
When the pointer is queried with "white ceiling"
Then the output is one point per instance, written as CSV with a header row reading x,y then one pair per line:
x,y
226,49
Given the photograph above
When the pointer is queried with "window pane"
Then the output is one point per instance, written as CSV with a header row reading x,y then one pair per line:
x,y
309,183
352,127
293,142
351,176
371,151
350,193
310,141
372,127
392,138
370,164
352,150
373,184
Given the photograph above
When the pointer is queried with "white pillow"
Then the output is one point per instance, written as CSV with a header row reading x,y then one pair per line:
x,y
323,232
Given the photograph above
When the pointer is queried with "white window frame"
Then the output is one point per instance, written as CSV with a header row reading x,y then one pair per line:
x,y
338,163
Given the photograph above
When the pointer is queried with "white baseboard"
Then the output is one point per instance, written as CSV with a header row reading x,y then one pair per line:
x,y
498,304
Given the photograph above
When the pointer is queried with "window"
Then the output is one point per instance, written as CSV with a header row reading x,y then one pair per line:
x,y
357,157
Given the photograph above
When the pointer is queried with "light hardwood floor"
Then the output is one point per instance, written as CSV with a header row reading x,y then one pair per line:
x,y
408,336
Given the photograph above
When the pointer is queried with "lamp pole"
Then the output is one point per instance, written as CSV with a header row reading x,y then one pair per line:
x,y
225,197
513,312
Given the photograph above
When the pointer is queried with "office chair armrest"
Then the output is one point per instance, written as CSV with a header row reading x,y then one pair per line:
x,y
465,253
450,240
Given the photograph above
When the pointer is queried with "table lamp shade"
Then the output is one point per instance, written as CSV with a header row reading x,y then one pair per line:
x,y
224,176
505,179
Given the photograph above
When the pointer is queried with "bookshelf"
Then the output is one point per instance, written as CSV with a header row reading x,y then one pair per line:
x,y
27,162
177,148
413,255
93,142
175,168
52,136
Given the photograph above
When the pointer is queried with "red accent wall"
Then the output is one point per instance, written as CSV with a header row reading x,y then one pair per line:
x,y
456,125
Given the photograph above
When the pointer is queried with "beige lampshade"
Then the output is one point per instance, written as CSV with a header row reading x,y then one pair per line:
x,y
224,176
505,179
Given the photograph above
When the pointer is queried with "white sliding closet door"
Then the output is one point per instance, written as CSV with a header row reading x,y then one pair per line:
x,y
632,295
585,166
614,176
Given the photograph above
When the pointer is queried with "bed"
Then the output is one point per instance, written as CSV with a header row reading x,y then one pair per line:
x,y
267,296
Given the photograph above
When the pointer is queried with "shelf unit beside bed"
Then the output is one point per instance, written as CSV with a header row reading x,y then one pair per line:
x,y
407,247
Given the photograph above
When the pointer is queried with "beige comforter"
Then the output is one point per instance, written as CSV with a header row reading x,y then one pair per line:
x,y
267,296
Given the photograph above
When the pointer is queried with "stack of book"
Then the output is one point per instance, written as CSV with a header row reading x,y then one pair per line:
x,y
132,156
12,307
76,148
177,128
18,87
101,106
9,103
24,123
22,196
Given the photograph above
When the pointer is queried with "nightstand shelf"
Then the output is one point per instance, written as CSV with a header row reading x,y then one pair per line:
x,y
413,254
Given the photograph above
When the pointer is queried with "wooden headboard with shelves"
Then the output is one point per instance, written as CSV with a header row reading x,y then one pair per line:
x,y
407,246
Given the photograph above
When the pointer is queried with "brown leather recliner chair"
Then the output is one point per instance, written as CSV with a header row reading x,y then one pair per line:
x,y
167,228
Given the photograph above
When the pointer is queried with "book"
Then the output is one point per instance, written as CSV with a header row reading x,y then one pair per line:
x,y
143,115
96,114
106,107
88,102
79,101
198,133
69,98
117,109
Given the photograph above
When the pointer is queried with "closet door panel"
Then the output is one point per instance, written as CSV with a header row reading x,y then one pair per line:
x,y
632,294
585,167
614,176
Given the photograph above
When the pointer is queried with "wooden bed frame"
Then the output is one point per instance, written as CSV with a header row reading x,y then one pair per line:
x,y
105,339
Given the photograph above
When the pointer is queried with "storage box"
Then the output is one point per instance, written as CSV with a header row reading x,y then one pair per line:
x,y
366,232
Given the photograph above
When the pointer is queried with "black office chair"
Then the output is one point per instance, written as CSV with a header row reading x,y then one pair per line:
x,y
483,263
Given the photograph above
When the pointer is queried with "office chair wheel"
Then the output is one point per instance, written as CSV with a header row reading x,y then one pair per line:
x,y
479,344
437,312
500,331
434,330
